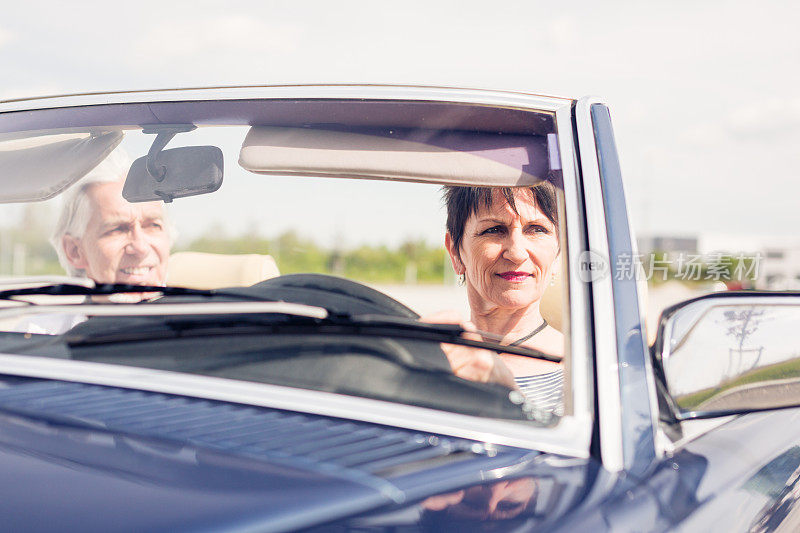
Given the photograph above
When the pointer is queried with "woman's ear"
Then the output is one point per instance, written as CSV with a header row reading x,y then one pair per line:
x,y
455,259
555,268
557,261
73,251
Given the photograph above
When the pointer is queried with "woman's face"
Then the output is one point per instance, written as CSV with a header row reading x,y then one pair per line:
x,y
506,257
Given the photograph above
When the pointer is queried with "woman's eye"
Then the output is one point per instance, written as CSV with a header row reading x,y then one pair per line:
x,y
493,230
538,228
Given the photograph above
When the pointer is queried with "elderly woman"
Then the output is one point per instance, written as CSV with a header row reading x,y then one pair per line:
x,y
503,245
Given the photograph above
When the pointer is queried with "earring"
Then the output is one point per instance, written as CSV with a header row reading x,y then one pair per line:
x,y
461,279
552,280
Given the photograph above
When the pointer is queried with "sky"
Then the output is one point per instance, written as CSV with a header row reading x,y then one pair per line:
x,y
703,95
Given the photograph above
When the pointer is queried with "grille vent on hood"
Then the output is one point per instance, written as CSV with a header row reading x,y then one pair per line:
x,y
303,439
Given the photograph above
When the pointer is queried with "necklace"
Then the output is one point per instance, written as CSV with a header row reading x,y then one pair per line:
x,y
531,334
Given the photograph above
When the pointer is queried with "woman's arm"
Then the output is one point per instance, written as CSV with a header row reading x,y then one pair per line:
x,y
474,364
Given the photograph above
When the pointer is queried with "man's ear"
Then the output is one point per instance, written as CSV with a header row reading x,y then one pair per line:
x,y
73,251
455,259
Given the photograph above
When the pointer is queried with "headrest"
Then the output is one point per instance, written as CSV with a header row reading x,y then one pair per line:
x,y
452,157
197,270
551,305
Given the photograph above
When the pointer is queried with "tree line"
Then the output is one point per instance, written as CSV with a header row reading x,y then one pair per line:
x,y
25,250
413,261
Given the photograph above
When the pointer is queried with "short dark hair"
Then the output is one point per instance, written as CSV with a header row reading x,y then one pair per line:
x,y
463,202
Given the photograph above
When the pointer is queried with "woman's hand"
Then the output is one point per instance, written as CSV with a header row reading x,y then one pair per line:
x,y
474,364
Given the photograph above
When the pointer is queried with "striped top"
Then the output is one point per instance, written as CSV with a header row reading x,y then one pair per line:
x,y
544,394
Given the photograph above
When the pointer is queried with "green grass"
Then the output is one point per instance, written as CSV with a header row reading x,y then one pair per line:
x,y
784,370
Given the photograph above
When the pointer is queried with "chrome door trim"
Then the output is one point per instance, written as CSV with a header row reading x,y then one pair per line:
x,y
627,402
605,341
637,384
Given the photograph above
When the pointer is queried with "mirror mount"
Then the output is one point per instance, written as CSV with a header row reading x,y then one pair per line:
x,y
164,134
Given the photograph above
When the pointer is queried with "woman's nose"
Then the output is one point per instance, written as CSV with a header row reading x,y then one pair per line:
x,y
516,247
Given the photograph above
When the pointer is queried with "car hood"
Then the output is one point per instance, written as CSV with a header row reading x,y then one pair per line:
x,y
94,458
73,480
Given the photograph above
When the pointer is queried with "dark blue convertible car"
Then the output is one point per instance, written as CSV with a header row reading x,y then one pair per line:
x,y
218,313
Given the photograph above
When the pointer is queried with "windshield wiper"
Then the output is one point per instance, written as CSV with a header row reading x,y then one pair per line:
x,y
39,281
447,333
109,289
283,323
334,323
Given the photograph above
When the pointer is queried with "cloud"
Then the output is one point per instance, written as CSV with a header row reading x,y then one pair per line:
x,y
765,119
563,32
212,37
5,37
706,134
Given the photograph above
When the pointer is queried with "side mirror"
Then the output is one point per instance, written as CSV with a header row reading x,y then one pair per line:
x,y
730,353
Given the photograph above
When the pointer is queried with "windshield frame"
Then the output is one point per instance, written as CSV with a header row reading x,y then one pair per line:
x,y
572,434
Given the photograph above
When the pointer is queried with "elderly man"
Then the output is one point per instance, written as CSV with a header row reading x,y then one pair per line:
x,y
102,236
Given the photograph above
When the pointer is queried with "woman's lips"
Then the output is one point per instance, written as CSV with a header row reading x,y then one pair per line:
x,y
514,276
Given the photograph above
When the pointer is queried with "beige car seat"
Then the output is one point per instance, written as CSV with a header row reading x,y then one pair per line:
x,y
552,303
198,270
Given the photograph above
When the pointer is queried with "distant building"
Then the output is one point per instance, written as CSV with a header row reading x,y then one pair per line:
x,y
778,256
670,244
781,268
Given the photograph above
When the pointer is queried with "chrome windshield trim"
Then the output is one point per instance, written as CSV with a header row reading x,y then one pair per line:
x,y
606,361
212,308
579,334
500,432
369,92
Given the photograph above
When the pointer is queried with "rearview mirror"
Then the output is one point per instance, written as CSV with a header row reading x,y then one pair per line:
x,y
730,353
186,171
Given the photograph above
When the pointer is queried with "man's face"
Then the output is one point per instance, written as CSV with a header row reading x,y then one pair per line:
x,y
123,242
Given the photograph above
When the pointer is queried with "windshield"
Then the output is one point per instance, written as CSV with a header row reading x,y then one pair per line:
x,y
371,221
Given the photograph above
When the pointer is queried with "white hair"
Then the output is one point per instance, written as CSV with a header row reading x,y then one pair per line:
x,y
75,208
